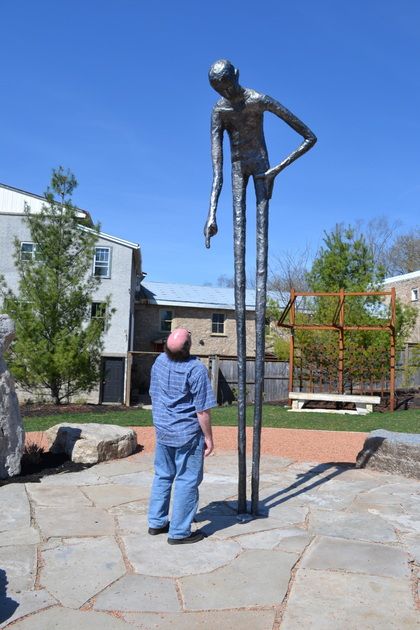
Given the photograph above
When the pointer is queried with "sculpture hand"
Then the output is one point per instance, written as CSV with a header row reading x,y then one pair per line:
x,y
268,177
210,229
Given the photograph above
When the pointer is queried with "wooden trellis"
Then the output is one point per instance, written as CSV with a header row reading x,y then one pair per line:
x,y
339,324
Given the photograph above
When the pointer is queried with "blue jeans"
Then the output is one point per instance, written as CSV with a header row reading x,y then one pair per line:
x,y
182,468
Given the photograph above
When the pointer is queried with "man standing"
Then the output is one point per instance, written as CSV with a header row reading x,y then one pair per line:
x,y
181,401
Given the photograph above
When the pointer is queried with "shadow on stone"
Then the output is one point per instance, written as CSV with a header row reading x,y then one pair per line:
x,y
369,449
295,489
222,514
7,604
47,464
65,440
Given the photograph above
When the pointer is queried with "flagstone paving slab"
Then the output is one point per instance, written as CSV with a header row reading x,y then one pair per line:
x,y
14,507
294,540
151,555
327,600
28,602
77,569
83,521
366,527
143,478
81,478
225,620
356,557
133,522
411,543
19,564
111,495
407,523
20,536
56,496
228,526
138,593
68,619
114,467
282,515
255,578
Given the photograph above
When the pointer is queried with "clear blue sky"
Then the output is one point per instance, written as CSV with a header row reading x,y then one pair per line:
x,y
117,91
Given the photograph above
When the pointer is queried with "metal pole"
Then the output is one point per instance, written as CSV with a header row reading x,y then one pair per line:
x,y
392,353
260,312
292,341
341,345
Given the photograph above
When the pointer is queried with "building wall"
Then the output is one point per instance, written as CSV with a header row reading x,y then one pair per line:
x,y
403,291
198,321
120,286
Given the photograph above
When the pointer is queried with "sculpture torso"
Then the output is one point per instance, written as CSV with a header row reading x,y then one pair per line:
x,y
243,121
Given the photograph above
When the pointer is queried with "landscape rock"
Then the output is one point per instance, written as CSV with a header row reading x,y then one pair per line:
x,y
397,453
12,435
91,443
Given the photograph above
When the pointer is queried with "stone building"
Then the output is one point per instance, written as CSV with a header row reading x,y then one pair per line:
x,y
407,289
208,312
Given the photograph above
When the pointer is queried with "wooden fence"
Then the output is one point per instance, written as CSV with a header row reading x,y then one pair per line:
x,y
224,375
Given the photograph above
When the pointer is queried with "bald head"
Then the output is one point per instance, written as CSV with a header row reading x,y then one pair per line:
x,y
178,344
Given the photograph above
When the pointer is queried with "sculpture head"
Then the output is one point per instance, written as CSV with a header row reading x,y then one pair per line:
x,y
224,78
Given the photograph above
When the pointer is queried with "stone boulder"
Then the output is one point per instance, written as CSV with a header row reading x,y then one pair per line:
x,y
12,434
397,453
91,443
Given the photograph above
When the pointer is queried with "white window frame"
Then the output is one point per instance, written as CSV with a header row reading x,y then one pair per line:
x,y
32,253
218,324
97,304
101,264
415,294
164,320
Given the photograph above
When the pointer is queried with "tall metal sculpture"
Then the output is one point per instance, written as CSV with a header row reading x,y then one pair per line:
x,y
240,113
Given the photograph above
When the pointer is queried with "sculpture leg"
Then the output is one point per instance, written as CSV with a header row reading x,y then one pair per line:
x,y
260,310
239,227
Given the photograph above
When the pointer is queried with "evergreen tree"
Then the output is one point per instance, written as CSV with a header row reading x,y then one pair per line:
x,y
58,345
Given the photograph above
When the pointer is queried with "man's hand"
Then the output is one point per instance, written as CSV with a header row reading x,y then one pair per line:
x,y
204,420
209,446
210,229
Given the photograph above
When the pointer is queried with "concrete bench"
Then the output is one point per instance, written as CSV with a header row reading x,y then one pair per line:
x,y
364,404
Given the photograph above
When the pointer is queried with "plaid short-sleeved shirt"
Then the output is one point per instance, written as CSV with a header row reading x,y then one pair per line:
x,y
178,390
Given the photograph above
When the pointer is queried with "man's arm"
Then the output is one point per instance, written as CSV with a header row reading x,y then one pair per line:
x,y
204,419
210,228
273,106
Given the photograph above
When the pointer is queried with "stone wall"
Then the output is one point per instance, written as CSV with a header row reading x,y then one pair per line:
x,y
199,322
403,291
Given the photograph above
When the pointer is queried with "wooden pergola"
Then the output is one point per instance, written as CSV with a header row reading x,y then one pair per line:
x,y
341,327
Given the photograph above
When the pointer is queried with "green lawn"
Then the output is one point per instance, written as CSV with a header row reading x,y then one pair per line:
x,y
273,416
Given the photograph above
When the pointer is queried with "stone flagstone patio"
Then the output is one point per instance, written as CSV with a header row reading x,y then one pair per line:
x,y
334,548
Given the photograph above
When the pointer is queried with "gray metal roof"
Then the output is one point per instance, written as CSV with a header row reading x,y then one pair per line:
x,y
165,294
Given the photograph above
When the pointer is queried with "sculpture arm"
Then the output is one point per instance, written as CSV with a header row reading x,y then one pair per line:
x,y
210,228
295,123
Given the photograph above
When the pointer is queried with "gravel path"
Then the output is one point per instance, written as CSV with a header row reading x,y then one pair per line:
x,y
300,445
